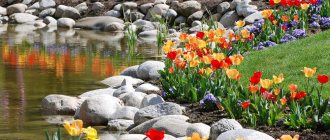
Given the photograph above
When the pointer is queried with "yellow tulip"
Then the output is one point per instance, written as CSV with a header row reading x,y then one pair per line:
x,y
91,133
304,6
266,83
220,32
196,136
209,71
201,44
245,33
190,56
236,59
266,13
277,91
240,23
309,72
277,1
74,128
193,63
168,46
278,79
232,74
206,59
219,56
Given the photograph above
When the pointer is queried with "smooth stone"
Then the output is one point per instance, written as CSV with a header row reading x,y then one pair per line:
x,y
113,13
50,21
229,19
132,137
96,23
148,88
44,4
130,71
97,110
202,129
179,20
157,10
222,126
144,25
145,126
105,91
117,7
133,16
187,8
58,119
119,124
3,11
65,22
125,87
246,134
82,8
114,26
196,23
97,6
47,12
160,2
71,12
253,17
170,15
128,6
223,7
16,8
26,2
149,66
60,105
198,28
22,18
34,12
154,111
195,16
34,6
60,10
245,10
234,4
133,99
148,35
39,24
107,137
151,99
127,113
144,8
174,127
116,81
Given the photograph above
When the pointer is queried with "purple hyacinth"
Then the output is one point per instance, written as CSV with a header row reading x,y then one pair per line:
x,y
259,48
208,98
287,38
314,17
294,23
258,24
314,25
253,29
298,33
267,43
325,22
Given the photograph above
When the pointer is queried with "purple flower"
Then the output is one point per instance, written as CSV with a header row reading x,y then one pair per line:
x,y
253,29
314,17
294,23
325,22
314,25
259,48
267,43
163,94
287,38
258,24
208,98
298,33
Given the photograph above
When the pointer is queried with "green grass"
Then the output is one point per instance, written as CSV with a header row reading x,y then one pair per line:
x,y
290,59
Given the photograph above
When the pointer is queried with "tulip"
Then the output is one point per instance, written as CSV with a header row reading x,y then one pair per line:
x,y
253,88
313,2
208,71
267,13
196,136
304,6
245,33
323,79
183,37
277,1
288,137
283,100
193,63
240,23
201,44
75,128
278,79
168,46
269,96
154,134
277,91
296,18
206,59
172,55
236,59
300,95
200,35
285,18
245,104
255,78
91,133
220,32
219,56
271,3
190,56
171,70
233,74
293,87
266,83
309,72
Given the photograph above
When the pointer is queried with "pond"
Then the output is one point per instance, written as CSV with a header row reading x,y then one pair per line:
x,y
37,62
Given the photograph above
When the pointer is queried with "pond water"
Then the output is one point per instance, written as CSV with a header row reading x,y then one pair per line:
x,y
37,62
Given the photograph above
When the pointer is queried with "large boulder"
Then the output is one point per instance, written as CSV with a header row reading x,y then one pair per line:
x,y
144,8
133,99
97,7
244,9
60,105
151,99
144,127
50,21
132,6
113,13
114,26
22,18
229,19
148,67
35,6
143,25
105,91
44,4
186,8
157,110
125,87
202,129
157,10
195,16
174,127
16,8
71,12
98,110
82,8
222,126
3,11
65,22
47,12
119,124
253,17
115,81
60,10
98,22
126,113
246,134
148,88
130,71
223,7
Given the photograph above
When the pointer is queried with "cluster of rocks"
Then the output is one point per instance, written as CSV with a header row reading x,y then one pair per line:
x,y
144,18
125,106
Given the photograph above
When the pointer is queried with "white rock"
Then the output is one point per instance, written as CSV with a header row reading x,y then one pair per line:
x,y
65,22
151,99
160,2
113,13
60,105
47,12
117,7
3,11
50,21
96,23
174,127
147,88
229,19
44,4
202,129
119,125
133,99
127,113
71,12
35,6
253,17
97,6
82,7
22,18
16,8
187,8
246,134
222,126
148,67
130,71
132,137
125,87
114,26
223,7
106,91
144,8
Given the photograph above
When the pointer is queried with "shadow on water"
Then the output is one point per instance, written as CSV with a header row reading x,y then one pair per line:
x,y
37,62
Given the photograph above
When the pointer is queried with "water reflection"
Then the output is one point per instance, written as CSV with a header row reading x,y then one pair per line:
x,y
38,62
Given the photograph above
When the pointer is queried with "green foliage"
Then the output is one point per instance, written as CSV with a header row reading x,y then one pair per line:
x,y
325,9
162,31
53,135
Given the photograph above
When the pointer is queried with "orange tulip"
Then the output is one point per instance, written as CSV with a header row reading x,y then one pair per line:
x,y
266,13
253,88
309,72
240,23
245,33
236,59
283,100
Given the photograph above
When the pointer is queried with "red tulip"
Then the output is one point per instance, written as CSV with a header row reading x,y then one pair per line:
x,y
269,96
245,104
262,90
154,134
297,3
200,35
271,3
323,79
215,64
284,3
255,78
313,2
300,95
172,55
228,61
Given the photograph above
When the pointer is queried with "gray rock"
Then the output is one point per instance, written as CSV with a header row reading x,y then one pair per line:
x,y
60,105
97,6
3,11
96,23
82,8
34,12
157,110
234,4
22,18
50,21
160,2
170,15
148,88
4,20
157,11
44,4
174,127
151,99
97,110
179,20
47,12
114,26
133,99
202,129
127,113
26,2
58,119
35,6
71,12
196,23
116,81
132,137
222,126
125,86
143,25
246,134
16,8
144,127
113,13
60,10
253,17
216,16
146,67
229,19
187,8
223,7
130,71
195,16
105,91
148,35
129,6
117,7
119,125
106,136
198,28
244,9
39,23
65,22
133,16
144,8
